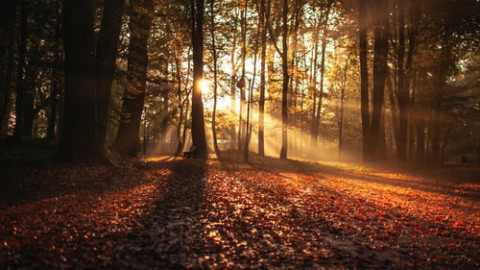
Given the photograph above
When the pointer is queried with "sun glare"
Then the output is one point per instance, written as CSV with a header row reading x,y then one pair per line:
x,y
204,86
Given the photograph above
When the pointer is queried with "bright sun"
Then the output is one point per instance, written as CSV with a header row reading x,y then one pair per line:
x,y
223,102
204,86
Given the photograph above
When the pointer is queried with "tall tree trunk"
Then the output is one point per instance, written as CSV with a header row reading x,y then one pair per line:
x,y
22,53
322,70
215,77
198,124
250,97
286,77
78,139
437,102
313,83
379,76
56,79
342,101
264,15
107,52
233,86
402,87
364,92
241,122
127,141
28,113
8,20
7,90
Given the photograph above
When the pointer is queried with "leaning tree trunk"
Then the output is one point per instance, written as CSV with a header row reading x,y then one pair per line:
x,y
198,124
78,141
127,141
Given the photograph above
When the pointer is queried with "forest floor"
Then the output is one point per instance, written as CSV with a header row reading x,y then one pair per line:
x,y
175,213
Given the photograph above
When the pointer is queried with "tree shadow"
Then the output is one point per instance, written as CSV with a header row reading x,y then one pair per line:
x,y
164,237
438,180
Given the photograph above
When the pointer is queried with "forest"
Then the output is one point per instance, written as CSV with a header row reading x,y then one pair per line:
x,y
239,134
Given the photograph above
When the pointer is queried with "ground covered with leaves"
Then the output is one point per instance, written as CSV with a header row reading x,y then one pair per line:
x,y
270,214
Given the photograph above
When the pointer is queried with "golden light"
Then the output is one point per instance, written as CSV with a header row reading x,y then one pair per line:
x,y
204,86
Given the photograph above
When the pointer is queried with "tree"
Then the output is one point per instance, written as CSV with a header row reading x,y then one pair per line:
x,y
198,124
127,141
7,30
78,141
215,76
286,77
264,14
22,55
106,56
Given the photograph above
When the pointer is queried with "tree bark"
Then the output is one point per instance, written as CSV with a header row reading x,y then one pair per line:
x,y
7,90
364,91
56,79
198,124
127,141
264,14
402,87
78,141
322,71
106,55
22,53
215,77
379,76
286,77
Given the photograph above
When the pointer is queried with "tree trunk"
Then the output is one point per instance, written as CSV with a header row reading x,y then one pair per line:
x,y
28,100
22,51
379,77
241,122
107,52
264,14
402,87
127,141
56,79
7,90
420,128
284,149
342,101
233,85
8,15
322,72
364,92
78,139
250,98
198,124
215,77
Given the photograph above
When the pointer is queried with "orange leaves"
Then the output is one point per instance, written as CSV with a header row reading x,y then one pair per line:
x,y
189,215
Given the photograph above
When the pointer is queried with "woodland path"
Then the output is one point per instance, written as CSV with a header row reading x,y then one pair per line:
x,y
211,214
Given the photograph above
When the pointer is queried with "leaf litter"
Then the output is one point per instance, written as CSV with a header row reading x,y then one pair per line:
x,y
194,214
